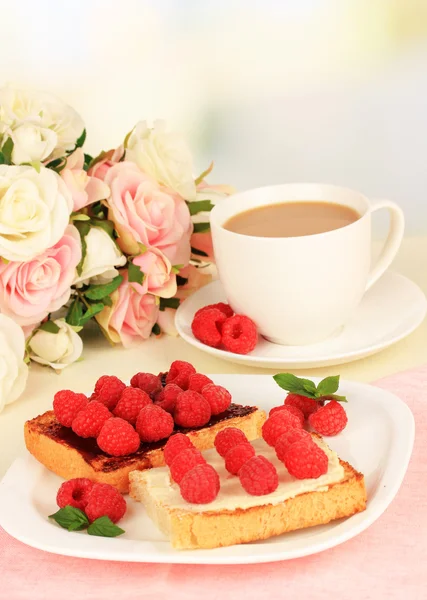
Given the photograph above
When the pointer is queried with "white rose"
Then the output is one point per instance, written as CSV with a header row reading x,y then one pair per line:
x,y
58,350
34,211
13,370
32,143
164,156
44,110
102,256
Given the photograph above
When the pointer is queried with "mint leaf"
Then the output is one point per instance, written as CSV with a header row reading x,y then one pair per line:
x,y
199,206
295,385
205,173
7,150
98,292
201,227
169,303
337,398
75,313
49,326
81,139
328,386
70,518
93,310
135,274
104,527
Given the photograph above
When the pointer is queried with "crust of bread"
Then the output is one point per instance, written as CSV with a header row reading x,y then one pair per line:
x,y
69,462
208,529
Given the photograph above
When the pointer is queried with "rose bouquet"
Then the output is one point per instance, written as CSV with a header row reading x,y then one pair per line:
x,y
117,239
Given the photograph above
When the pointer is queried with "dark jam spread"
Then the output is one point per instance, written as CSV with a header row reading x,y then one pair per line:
x,y
90,450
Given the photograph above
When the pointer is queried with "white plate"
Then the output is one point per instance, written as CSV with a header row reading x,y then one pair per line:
x,y
390,311
377,441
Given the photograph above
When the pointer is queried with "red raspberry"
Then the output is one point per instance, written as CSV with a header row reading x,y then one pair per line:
x,y
147,382
110,391
218,397
66,405
258,476
279,423
239,334
105,501
166,399
222,306
118,438
228,438
154,424
237,456
184,462
179,373
130,404
89,421
191,410
198,381
100,382
207,326
74,492
306,405
305,460
292,409
200,485
287,439
176,444
329,419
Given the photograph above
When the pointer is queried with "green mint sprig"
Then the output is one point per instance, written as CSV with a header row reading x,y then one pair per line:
x,y
305,387
74,519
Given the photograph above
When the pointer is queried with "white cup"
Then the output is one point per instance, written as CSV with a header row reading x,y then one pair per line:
x,y
301,290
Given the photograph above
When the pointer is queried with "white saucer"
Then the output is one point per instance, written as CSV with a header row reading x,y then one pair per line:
x,y
391,310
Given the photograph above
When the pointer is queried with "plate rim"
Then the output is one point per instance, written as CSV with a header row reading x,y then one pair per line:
x,y
249,555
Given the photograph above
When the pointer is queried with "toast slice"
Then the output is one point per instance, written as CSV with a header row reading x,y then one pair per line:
x,y
235,517
60,450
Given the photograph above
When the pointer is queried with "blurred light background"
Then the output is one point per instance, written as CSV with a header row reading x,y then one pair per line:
x,y
274,91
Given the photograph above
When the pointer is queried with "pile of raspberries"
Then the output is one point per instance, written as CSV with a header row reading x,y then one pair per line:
x,y
120,417
94,499
216,325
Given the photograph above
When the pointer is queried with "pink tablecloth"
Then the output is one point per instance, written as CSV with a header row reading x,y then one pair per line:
x,y
386,561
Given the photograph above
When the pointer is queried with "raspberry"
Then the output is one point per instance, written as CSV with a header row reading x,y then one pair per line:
x,y
200,485
191,410
110,391
105,501
329,419
118,438
198,381
184,462
207,326
222,306
131,402
166,399
258,476
74,492
147,382
305,460
179,373
227,439
154,424
66,405
306,405
218,397
89,421
280,422
98,385
176,444
287,439
289,408
237,456
239,334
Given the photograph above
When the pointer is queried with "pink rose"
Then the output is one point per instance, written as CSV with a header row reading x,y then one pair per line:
x,y
145,213
158,277
30,290
108,159
84,189
132,315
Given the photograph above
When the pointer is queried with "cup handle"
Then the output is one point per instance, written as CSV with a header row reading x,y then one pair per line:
x,y
392,242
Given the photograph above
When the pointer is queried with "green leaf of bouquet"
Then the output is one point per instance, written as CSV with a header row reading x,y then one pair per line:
x,y
169,303
7,150
49,326
98,209
105,224
93,310
135,274
70,518
75,313
199,206
205,173
295,385
81,139
156,329
198,252
83,228
98,292
4,260
177,268
2,159
201,227
79,217
104,527
181,280
107,301
57,164
328,386
88,159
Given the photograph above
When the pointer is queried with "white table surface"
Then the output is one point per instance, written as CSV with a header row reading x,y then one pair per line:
x,y
156,355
